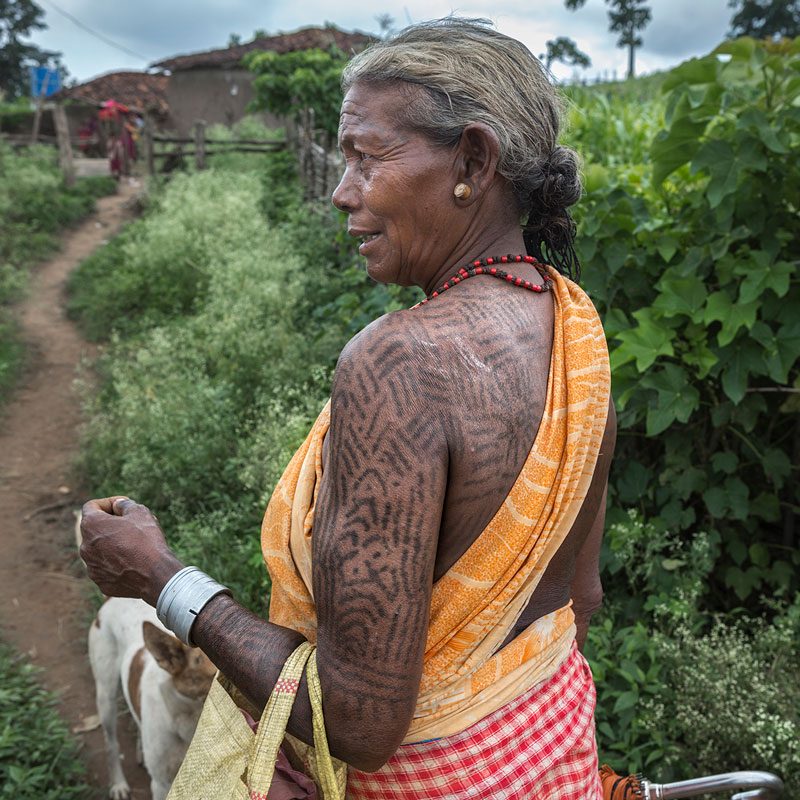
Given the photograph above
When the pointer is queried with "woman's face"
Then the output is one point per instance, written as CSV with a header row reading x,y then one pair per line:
x,y
397,187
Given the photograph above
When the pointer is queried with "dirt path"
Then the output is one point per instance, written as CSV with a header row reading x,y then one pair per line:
x,y
45,600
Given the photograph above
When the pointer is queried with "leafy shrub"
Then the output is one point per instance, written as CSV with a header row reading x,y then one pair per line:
x,y
226,543
286,83
695,282
609,129
685,703
654,581
732,697
15,116
246,128
690,251
628,671
34,205
160,268
38,757
194,415
280,196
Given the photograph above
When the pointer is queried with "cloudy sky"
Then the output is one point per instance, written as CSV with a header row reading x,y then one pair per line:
x,y
152,30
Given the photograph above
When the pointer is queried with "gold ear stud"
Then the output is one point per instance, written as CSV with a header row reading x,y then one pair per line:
x,y
462,191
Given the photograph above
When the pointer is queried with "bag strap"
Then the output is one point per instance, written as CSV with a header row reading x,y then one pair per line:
x,y
331,786
272,727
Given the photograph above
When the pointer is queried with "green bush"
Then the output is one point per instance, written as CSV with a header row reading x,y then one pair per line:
x,y
732,697
15,116
609,130
286,83
195,414
691,256
34,205
160,267
694,272
281,194
654,580
248,128
38,757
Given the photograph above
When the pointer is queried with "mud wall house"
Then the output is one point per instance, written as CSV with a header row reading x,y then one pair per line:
x,y
144,93
213,86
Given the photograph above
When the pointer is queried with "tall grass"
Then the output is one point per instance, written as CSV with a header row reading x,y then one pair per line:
x,y
38,756
34,205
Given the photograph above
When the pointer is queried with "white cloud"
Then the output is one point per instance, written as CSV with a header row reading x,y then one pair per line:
x,y
158,29
690,27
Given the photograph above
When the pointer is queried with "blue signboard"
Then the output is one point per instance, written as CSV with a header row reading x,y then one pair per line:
x,y
44,81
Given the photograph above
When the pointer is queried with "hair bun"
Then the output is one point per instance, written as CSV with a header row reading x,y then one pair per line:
x,y
550,230
553,185
561,187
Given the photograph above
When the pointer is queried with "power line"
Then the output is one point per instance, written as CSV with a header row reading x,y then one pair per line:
x,y
94,33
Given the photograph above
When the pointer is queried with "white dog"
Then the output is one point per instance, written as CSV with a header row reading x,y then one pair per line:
x,y
164,681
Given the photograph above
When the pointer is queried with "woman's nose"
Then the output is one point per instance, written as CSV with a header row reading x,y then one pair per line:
x,y
344,196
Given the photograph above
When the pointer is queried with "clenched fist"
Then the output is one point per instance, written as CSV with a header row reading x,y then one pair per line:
x,y
125,550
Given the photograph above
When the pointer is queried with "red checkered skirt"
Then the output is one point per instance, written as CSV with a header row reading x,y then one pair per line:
x,y
540,746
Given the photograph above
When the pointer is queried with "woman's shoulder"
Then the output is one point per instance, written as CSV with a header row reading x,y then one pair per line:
x,y
390,379
399,338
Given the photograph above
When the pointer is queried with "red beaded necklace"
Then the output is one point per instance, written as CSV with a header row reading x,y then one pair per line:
x,y
486,266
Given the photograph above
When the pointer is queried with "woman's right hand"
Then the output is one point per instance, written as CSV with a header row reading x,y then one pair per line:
x,y
124,549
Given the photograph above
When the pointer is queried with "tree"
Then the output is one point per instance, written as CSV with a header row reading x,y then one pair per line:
x,y
289,83
625,17
17,19
764,19
566,51
386,25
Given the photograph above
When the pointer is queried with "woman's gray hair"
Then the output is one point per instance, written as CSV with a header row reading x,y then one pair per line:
x,y
472,73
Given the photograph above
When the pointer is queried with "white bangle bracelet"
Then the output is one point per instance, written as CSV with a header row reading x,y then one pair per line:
x,y
183,598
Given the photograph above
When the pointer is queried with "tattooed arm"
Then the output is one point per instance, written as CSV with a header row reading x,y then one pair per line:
x,y
587,589
375,537
376,533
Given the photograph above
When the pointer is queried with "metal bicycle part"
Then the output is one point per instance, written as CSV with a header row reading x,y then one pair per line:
x,y
758,786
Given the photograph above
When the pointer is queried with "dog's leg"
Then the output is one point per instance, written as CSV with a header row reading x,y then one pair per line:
x,y
158,789
105,667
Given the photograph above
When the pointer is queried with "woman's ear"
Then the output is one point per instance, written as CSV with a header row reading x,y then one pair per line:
x,y
479,154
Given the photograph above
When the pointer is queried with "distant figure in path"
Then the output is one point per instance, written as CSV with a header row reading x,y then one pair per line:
x,y
437,535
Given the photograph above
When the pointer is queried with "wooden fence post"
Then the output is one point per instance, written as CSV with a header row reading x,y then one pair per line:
x,y
200,144
148,145
64,144
37,119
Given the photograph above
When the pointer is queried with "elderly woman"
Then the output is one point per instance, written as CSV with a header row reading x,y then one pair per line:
x,y
437,535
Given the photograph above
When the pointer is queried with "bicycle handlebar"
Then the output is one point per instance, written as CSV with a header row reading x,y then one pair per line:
x,y
761,786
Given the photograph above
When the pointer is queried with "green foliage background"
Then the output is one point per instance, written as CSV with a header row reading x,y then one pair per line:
x,y
34,205
235,305
289,83
38,757
691,250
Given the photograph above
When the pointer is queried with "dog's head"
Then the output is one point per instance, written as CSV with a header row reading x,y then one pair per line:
x,y
191,670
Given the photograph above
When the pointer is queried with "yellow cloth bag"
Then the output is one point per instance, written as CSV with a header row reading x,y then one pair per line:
x,y
227,761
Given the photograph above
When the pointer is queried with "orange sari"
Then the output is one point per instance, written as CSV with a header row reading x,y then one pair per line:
x,y
477,602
